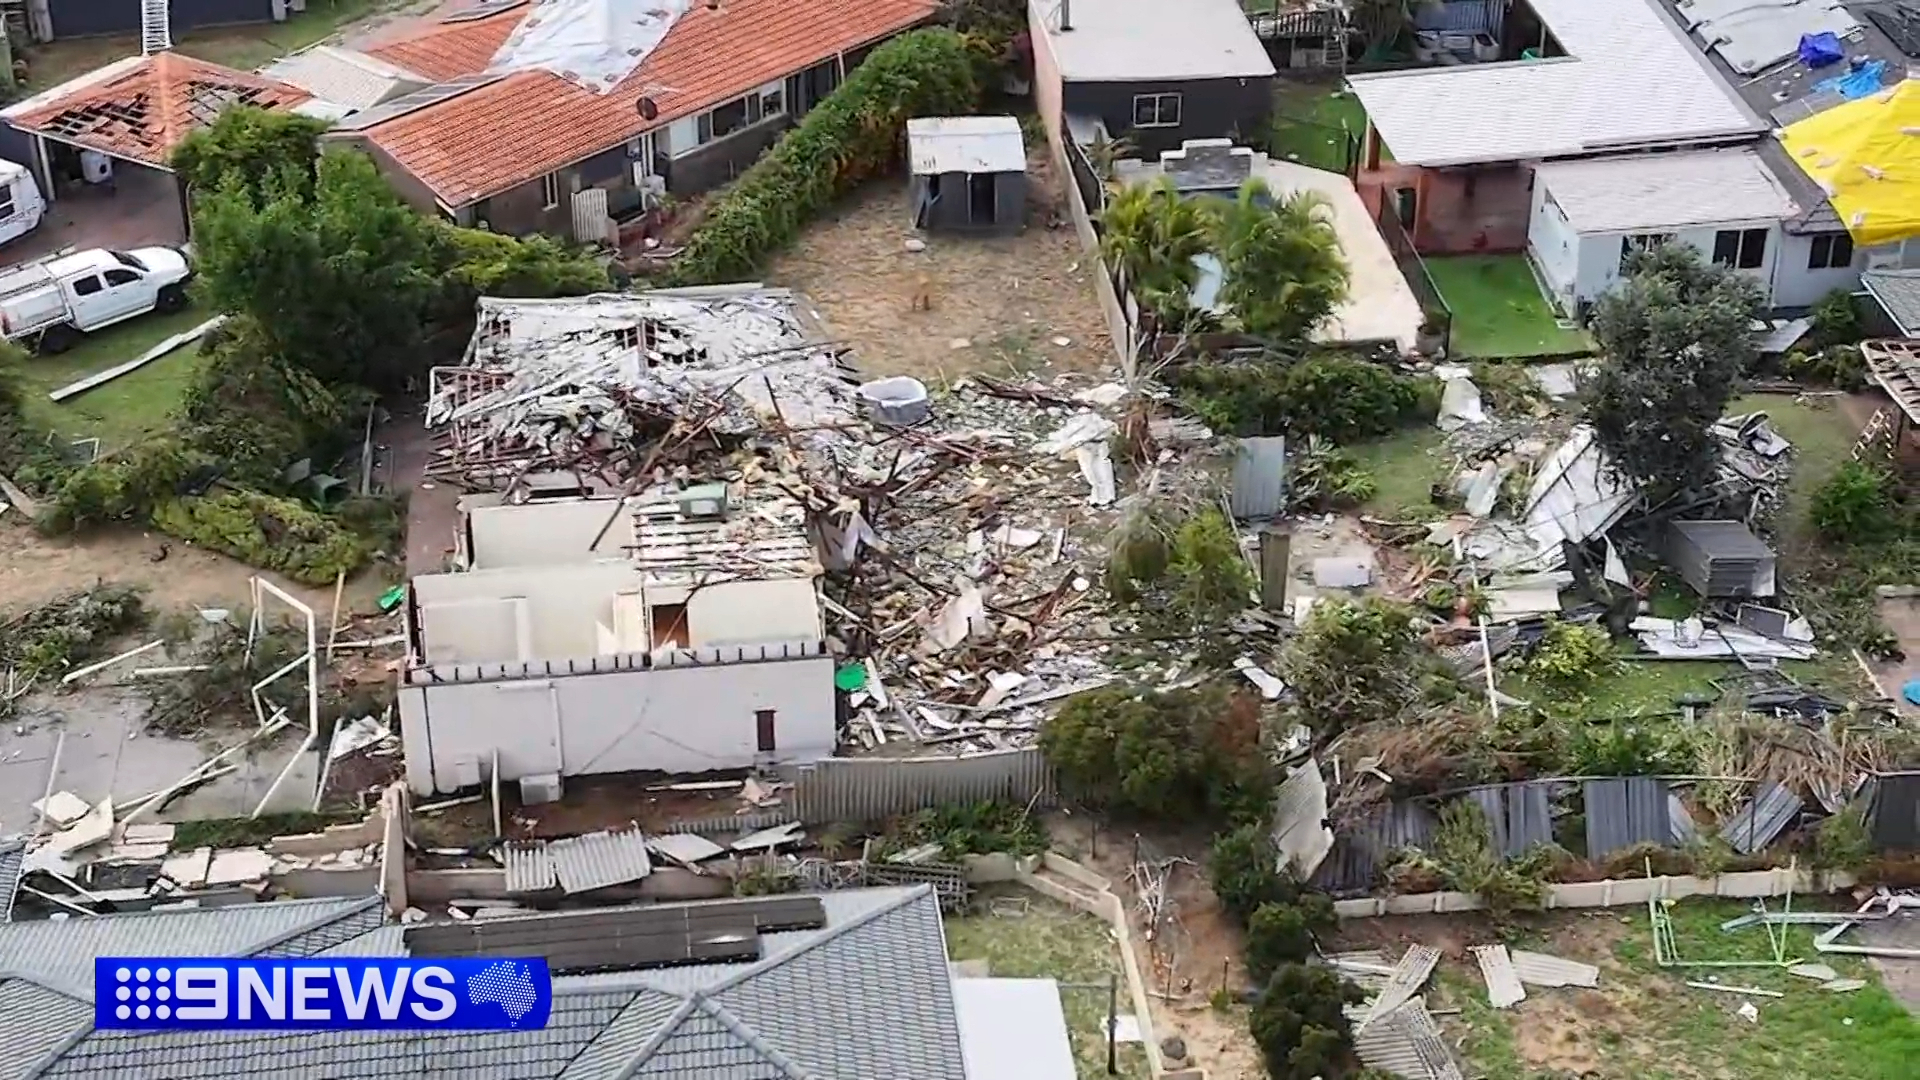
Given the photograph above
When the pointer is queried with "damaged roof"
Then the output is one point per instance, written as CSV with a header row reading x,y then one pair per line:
x,y
486,136
142,111
790,1014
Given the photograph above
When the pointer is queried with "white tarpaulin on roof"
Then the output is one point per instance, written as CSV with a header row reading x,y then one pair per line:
x,y
595,43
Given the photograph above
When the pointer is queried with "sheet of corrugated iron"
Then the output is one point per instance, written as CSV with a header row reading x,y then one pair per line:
x,y
1259,486
528,867
1409,975
1755,825
1518,815
1896,813
1300,820
597,860
1540,969
1388,1047
1424,1033
1625,812
1503,982
1680,823
12,854
1367,969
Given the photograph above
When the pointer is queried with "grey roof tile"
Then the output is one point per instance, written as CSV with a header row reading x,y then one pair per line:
x,y
620,1044
11,852
707,1044
332,935
34,1022
896,956
1898,292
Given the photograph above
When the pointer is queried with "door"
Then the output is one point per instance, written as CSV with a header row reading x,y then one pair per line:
x,y
591,222
91,304
126,293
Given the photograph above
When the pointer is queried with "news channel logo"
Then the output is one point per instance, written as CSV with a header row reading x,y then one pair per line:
x,y
146,993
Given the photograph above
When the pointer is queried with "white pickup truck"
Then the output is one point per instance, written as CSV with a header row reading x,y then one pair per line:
x,y
50,302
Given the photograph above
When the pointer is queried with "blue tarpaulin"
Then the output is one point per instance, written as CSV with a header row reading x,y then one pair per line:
x,y
1822,49
1858,82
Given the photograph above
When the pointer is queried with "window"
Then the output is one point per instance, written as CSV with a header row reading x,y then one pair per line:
x,y
1642,242
6,202
1833,251
550,190
125,259
669,624
1742,248
86,286
117,277
726,120
1156,110
773,102
763,728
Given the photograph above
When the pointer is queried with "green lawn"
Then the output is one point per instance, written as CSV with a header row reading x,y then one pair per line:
x,y
1405,466
1308,118
1498,310
244,47
133,405
1644,1022
1048,940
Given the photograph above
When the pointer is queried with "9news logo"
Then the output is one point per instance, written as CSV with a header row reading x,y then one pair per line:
x,y
392,993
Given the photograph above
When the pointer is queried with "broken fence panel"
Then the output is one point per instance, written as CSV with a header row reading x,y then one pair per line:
x,y
1626,812
1755,825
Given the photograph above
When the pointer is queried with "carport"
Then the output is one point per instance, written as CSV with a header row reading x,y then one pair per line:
x,y
136,111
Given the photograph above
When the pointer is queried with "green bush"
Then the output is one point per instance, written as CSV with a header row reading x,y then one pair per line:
x,y
124,487
968,829
1843,367
1509,389
1572,655
1836,320
1244,867
68,631
1339,398
1353,663
853,135
1322,476
1855,505
1299,1021
1209,576
1181,753
1280,934
265,531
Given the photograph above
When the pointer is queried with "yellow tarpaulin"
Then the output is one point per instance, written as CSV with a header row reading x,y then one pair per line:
x,y
1866,154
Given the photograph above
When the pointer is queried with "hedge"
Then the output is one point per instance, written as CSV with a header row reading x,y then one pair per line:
x,y
851,136
263,530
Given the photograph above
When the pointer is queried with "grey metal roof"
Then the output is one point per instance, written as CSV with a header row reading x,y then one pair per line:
x,y
1898,292
1626,812
1786,91
1751,35
1755,825
1895,818
805,1010
1816,214
12,851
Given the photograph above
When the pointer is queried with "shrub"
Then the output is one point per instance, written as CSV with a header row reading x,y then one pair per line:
x,y
1210,579
1352,663
968,829
1322,476
265,531
68,630
853,135
1841,842
1284,933
1462,851
1854,505
1244,866
1507,388
1337,397
1836,320
120,488
1572,655
1299,1022
1164,754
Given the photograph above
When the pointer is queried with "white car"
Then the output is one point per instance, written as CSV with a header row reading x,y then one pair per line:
x,y
21,206
50,302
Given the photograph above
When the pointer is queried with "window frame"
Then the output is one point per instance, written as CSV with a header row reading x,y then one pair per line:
x,y
93,279
1158,102
714,134
766,730
550,191
1821,252
132,277
1738,257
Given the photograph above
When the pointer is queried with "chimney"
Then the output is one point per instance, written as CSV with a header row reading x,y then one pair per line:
x,y
1066,15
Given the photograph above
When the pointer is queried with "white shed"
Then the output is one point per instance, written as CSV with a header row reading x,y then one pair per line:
x,y
969,173
1587,215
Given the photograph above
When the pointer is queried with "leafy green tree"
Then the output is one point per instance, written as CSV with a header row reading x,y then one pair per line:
x,y
251,145
1675,336
1352,663
1209,575
1164,754
1285,270
1153,235
338,281
1856,504
1300,1024
1283,933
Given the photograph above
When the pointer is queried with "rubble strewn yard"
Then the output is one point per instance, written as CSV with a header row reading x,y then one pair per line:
x,y
993,304
1019,934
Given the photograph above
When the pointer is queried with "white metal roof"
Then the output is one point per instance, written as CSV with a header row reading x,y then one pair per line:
x,y
965,144
1013,1029
1650,192
1143,40
1630,78
593,43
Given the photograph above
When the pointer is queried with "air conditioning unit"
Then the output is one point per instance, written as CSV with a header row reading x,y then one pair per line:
x,y
704,501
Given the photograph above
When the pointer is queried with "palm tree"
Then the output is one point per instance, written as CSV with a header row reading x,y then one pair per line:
x,y
1285,271
1151,235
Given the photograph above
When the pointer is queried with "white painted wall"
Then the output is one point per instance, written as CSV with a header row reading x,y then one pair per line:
x,y
683,718
1554,245
1796,286
746,612
547,533
1584,266
461,614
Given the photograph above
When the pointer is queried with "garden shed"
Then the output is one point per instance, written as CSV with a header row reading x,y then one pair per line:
x,y
969,173
1721,558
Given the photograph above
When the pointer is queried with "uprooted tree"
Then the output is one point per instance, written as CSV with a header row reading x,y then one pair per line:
x,y
1675,337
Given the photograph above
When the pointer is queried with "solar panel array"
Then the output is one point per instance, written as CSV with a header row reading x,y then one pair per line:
x,y
624,938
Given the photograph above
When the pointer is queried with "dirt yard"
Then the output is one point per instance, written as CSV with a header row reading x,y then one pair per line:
x,y
1023,302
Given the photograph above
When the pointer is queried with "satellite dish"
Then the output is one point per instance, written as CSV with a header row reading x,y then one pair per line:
x,y
648,110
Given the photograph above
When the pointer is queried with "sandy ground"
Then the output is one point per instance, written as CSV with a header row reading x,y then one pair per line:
x,y
995,302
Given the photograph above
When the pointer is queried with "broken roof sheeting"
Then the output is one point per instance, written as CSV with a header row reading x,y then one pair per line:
x,y
1626,812
1259,484
1756,824
1751,35
599,859
1542,969
1576,495
1518,815
12,852
591,43
1300,820
1360,849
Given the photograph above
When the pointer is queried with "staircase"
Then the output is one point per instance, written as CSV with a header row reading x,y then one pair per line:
x,y
155,32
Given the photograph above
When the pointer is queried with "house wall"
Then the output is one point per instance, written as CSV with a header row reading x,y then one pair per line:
x,y
92,18
545,533
1554,246
1048,94
475,617
955,213
712,165
745,612
685,717
1796,286
1209,109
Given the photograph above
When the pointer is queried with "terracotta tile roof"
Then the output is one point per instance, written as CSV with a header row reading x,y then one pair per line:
x,y
506,133
143,113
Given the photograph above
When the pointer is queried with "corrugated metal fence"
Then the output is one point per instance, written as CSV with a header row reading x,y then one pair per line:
x,y
874,789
